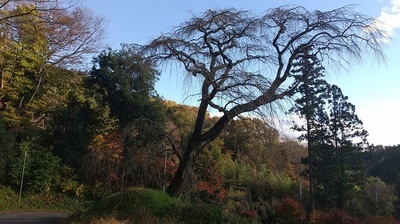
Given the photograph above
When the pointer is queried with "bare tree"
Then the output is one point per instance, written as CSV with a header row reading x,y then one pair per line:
x,y
71,30
244,61
72,34
68,33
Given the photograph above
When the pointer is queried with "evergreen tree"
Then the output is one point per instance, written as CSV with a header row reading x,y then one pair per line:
x,y
333,132
347,137
127,80
337,149
309,105
75,125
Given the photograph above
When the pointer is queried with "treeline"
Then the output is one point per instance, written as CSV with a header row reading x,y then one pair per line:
x,y
108,130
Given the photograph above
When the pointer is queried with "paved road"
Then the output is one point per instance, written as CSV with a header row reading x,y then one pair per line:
x,y
38,217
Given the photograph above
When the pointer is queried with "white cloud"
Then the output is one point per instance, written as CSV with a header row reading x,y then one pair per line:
x,y
390,17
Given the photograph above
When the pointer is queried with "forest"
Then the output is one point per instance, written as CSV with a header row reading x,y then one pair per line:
x,y
101,142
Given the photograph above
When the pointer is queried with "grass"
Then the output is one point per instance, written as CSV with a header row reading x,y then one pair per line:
x,y
134,205
9,200
140,205
109,220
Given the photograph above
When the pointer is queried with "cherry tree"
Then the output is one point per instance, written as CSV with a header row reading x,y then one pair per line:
x,y
243,61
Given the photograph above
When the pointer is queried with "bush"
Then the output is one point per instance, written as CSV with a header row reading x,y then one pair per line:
x,y
382,219
9,201
8,198
289,211
42,171
151,206
335,217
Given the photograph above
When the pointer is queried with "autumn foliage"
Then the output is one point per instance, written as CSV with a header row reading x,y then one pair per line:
x,y
382,219
334,217
103,162
289,210
213,188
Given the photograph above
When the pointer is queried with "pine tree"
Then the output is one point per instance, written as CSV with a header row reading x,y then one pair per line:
x,y
310,73
333,132
347,138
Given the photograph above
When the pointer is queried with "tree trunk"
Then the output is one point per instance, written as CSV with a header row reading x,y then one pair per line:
x,y
341,185
1,79
309,147
310,164
183,178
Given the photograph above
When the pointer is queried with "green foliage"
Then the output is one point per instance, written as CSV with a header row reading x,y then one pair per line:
x,y
344,125
251,141
333,132
6,152
8,198
209,174
386,165
229,169
75,125
251,192
156,204
42,169
126,79
268,185
54,93
182,118
238,173
54,201
69,185
23,58
311,93
375,198
44,200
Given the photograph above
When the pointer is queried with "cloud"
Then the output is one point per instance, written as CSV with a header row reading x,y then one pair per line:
x,y
390,17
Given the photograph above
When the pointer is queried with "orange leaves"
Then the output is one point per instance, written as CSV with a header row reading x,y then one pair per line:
x,y
102,164
169,167
249,213
206,186
213,188
108,146
290,210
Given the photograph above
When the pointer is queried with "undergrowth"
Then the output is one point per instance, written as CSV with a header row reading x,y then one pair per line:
x,y
140,205
9,200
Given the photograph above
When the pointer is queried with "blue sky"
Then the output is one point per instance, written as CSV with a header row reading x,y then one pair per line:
x,y
373,87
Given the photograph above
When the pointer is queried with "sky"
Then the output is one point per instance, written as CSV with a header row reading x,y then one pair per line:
x,y
372,86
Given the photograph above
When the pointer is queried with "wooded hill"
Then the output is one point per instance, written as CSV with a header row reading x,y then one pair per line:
x,y
90,134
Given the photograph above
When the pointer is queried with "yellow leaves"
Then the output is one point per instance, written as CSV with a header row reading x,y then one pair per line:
x,y
108,146
356,187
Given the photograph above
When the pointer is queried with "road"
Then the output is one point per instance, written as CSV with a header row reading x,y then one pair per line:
x,y
38,217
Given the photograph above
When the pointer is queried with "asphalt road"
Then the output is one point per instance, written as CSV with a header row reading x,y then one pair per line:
x,y
38,217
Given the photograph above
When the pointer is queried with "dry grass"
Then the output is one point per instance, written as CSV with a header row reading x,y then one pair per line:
x,y
108,220
141,216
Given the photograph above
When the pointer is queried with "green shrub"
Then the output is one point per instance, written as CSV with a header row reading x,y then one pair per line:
x,y
201,213
145,204
42,169
8,198
9,201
